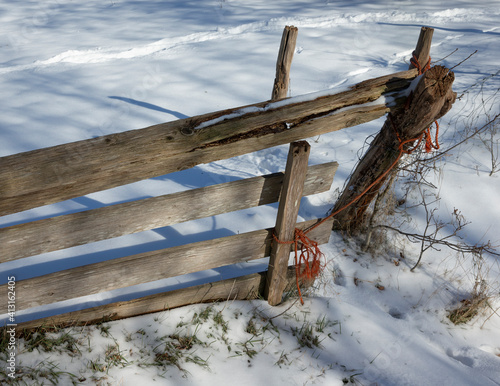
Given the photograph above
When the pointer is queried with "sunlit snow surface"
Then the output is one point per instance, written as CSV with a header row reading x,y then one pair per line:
x,y
76,70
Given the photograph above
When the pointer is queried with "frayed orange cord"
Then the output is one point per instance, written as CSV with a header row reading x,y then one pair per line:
x,y
428,139
414,61
308,262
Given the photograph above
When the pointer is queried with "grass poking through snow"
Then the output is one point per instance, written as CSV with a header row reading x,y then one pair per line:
x,y
170,346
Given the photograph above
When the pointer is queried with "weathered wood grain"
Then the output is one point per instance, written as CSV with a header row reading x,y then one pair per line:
x,y
284,62
423,48
431,99
293,185
241,288
147,267
50,175
80,228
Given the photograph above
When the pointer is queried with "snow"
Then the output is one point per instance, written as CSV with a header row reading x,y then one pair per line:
x,y
76,71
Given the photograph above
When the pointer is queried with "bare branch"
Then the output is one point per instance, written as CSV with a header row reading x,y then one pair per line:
x,y
459,247
467,58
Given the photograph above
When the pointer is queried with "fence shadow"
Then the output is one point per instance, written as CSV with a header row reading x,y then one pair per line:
x,y
150,106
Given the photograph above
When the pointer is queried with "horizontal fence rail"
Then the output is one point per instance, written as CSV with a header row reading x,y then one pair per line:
x,y
80,228
50,175
240,288
116,220
150,266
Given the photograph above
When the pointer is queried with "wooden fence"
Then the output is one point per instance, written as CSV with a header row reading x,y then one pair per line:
x,y
58,173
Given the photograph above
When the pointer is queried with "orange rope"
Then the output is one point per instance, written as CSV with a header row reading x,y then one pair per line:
x,y
308,262
428,139
414,61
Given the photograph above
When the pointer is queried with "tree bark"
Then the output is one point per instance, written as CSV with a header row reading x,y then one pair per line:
x,y
432,98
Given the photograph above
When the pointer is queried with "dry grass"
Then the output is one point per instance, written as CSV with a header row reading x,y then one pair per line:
x,y
469,309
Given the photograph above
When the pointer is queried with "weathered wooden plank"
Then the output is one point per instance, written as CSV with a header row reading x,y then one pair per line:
x,y
71,170
284,62
242,288
74,229
291,192
146,267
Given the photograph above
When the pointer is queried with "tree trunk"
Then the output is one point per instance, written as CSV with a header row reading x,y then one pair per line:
x,y
431,99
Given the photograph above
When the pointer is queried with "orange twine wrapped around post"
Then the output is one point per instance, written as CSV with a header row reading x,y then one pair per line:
x,y
308,262
414,61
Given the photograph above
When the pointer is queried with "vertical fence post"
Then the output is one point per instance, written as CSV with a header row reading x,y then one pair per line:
x,y
423,48
284,62
293,184
291,193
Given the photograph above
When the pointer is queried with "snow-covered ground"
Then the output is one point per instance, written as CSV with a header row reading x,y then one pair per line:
x,y
71,71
